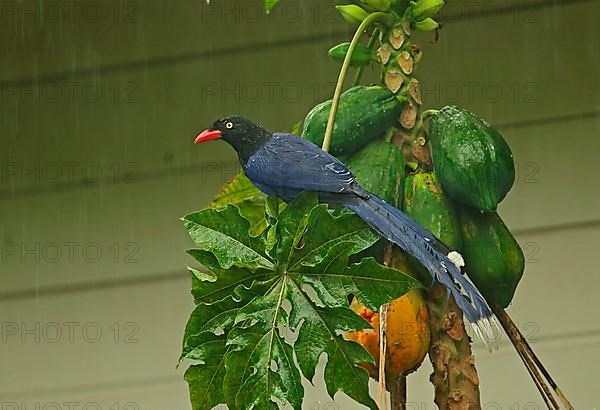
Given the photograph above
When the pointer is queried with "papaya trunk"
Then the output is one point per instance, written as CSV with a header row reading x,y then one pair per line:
x,y
397,388
454,374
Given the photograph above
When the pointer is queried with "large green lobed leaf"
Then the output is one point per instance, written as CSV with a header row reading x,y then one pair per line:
x,y
292,278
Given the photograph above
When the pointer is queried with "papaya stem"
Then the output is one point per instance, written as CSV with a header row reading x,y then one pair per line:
x,y
398,393
370,45
371,18
389,134
382,385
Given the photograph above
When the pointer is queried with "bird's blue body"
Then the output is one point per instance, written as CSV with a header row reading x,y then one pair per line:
x,y
286,165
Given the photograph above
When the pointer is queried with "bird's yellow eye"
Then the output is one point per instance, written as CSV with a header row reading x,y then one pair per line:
x,y
229,125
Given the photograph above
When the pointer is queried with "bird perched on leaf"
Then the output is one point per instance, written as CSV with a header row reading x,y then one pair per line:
x,y
284,165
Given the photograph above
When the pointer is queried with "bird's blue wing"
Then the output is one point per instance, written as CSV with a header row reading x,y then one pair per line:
x,y
287,164
290,162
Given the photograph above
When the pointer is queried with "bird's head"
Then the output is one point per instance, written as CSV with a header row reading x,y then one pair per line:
x,y
232,129
244,135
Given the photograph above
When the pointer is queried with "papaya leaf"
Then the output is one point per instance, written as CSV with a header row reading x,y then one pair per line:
x,y
200,275
271,214
371,283
326,231
206,319
320,333
206,380
251,201
270,305
228,282
237,191
262,365
225,233
291,226
219,316
220,294
269,4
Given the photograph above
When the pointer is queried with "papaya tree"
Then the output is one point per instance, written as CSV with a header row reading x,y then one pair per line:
x,y
279,285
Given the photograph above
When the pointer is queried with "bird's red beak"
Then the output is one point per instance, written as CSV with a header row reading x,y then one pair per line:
x,y
207,135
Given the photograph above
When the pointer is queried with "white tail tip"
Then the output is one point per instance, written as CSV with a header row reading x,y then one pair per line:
x,y
457,259
488,330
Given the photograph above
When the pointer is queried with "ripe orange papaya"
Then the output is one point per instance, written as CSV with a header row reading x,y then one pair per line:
x,y
407,333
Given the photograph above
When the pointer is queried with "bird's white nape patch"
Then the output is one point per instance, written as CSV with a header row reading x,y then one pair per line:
x,y
456,258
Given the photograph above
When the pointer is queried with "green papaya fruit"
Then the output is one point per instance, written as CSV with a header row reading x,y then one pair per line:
x,y
427,203
493,259
379,168
361,56
473,161
364,113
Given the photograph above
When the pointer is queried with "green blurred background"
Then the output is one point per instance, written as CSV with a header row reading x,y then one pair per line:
x,y
101,100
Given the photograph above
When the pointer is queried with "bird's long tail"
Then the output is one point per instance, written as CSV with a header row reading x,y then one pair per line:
x,y
444,266
442,263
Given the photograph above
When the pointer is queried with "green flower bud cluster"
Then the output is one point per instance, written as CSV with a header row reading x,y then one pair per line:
x,y
352,13
423,11
399,57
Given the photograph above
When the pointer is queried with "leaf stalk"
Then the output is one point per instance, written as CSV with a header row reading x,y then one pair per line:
x,y
370,19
